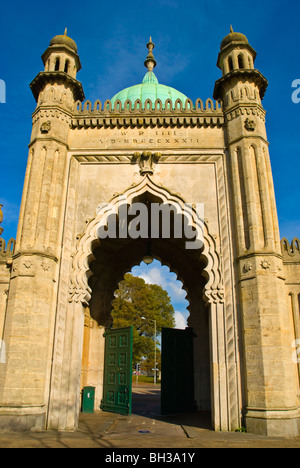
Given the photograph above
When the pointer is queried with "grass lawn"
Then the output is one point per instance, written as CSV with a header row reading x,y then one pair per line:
x,y
144,379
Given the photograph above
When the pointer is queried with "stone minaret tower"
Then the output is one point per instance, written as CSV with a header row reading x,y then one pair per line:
x,y
269,374
55,90
33,288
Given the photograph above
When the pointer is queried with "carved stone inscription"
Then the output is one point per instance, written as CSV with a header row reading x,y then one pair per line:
x,y
140,139
143,138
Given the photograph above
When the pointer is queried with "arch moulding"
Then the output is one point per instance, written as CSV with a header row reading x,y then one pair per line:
x,y
80,291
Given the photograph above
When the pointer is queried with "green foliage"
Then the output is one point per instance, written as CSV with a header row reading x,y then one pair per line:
x,y
136,299
242,430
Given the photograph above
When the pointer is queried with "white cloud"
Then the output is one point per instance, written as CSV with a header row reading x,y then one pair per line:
x,y
154,276
166,280
177,292
180,320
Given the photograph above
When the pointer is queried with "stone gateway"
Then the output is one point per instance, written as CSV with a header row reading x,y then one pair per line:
x,y
150,144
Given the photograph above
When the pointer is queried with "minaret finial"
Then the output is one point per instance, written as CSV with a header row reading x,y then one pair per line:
x,y
1,219
231,29
150,61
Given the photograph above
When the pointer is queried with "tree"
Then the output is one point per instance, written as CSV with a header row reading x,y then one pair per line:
x,y
138,303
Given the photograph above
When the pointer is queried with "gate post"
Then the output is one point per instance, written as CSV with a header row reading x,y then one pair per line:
x,y
64,403
223,373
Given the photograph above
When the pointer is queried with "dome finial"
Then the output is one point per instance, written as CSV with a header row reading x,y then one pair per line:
x,y
66,32
231,29
150,61
1,219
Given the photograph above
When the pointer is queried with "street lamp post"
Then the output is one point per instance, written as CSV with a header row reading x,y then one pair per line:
x,y
154,351
151,320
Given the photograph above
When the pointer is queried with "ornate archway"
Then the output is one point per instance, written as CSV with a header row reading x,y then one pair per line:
x,y
87,243
96,274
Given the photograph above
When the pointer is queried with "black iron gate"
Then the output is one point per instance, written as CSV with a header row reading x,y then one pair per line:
x,y
177,385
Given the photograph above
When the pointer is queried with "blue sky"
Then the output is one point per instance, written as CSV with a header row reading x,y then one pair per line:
x,y
111,38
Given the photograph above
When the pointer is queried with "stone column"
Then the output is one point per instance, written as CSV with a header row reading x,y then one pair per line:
x,y
93,357
222,367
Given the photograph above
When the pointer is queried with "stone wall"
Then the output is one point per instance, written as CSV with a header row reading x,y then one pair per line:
x,y
291,262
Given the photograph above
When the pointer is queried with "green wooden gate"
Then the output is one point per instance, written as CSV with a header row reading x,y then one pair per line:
x,y
117,385
177,385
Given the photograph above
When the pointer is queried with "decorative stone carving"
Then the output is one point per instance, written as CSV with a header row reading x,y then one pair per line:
x,y
146,161
247,267
214,296
290,251
45,266
7,251
250,125
46,127
134,114
27,264
265,264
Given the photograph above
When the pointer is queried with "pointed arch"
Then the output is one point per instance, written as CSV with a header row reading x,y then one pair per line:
x,y
128,105
118,106
67,66
97,106
168,104
148,104
57,64
295,245
78,106
178,105
158,105
80,290
199,104
241,61
188,105
138,105
87,107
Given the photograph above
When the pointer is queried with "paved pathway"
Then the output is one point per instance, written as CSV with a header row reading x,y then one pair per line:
x,y
145,428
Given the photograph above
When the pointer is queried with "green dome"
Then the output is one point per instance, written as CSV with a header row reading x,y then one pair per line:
x,y
149,89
